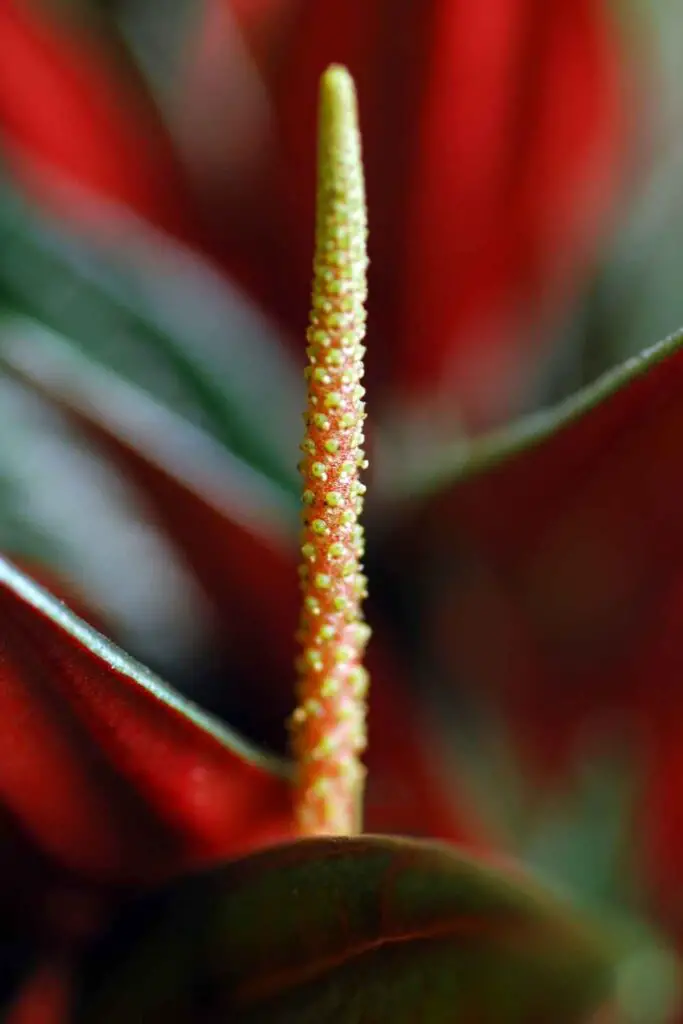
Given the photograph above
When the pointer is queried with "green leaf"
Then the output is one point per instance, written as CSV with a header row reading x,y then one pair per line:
x,y
344,930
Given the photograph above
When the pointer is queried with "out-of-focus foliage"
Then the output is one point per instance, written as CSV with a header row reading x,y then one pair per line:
x,y
525,208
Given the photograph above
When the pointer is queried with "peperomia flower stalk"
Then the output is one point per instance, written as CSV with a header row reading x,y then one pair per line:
x,y
328,726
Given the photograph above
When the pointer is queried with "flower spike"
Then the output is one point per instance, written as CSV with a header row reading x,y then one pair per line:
x,y
328,726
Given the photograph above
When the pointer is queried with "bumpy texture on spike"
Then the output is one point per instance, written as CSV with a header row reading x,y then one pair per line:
x,y
328,727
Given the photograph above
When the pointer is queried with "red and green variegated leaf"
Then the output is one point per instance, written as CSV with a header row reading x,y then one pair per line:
x,y
352,929
104,768
555,570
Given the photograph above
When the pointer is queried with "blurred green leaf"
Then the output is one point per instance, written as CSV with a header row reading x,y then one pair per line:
x,y
465,458
580,839
349,929
164,320
64,508
62,470
636,295
146,49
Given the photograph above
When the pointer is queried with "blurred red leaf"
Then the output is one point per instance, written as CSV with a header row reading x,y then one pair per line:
x,y
558,587
73,111
262,22
105,770
491,141
44,998
408,790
